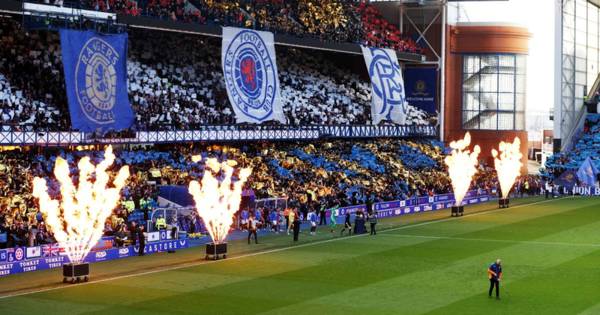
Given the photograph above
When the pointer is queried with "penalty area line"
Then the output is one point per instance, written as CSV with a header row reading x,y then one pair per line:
x,y
270,251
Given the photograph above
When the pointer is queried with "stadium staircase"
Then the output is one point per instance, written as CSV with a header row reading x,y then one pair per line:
x,y
488,106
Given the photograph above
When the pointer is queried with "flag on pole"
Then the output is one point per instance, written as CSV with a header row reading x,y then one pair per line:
x,y
587,172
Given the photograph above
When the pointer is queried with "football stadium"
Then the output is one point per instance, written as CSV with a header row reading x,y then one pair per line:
x,y
299,157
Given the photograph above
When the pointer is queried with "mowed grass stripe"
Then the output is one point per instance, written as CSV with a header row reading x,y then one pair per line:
x,y
568,288
500,218
593,310
386,260
41,281
336,253
420,292
251,267
572,219
495,240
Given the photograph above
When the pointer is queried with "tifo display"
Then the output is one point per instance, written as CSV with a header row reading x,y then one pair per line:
x,y
282,157
313,89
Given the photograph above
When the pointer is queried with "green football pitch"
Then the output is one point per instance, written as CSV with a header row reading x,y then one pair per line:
x,y
425,263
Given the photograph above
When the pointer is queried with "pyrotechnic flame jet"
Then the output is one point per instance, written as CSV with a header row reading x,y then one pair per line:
x,y
462,165
508,164
218,200
77,220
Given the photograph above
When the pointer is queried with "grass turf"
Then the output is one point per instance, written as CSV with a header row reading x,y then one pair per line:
x,y
421,264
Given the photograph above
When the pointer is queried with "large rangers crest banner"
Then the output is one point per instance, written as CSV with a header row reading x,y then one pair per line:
x,y
250,71
96,79
388,101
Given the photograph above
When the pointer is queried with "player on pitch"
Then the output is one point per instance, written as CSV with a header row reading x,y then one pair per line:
x,y
333,218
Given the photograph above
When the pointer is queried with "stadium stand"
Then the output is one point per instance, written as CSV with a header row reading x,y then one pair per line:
x,y
174,89
31,82
331,20
586,146
378,32
337,172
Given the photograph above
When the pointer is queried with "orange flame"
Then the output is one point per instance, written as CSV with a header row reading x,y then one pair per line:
x,y
462,165
508,164
77,221
217,201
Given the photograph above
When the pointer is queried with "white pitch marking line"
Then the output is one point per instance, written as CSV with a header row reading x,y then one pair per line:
x,y
494,240
265,252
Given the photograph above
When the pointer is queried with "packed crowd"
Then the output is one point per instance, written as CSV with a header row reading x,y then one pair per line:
x,y
588,145
331,20
31,82
174,89
21,223
308,175
378,32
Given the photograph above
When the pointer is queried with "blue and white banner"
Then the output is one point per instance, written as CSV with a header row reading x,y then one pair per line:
x,y
12,266
568,179
95,68
250,72
414,205
581,190
587,172
421,87
388,100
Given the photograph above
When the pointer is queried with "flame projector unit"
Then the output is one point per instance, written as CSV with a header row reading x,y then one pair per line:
x,y
503,203
457,211
213,251
76,272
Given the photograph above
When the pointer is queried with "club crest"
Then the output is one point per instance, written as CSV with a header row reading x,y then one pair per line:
x,y
96,80
384,72
249,75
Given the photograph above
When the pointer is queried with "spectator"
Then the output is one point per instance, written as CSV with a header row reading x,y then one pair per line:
x,y
175,89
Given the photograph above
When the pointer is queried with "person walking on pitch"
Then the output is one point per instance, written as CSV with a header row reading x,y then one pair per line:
x,y
322,218
252,229
292,217
373,222
312,216
333,218
347,225
296,227
495,274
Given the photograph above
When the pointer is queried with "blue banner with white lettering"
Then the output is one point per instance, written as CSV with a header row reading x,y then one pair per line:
x,y
421,88
13,260
414,205
95,68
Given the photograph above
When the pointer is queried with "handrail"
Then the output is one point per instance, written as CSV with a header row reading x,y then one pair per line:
x,y
218,133
592,93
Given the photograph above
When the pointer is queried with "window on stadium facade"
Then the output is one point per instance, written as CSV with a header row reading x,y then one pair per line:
x,y
493,92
